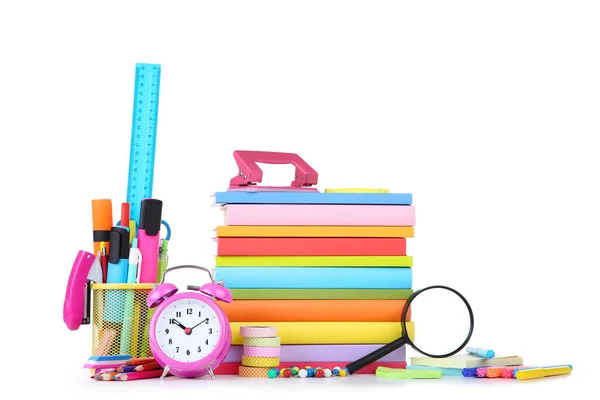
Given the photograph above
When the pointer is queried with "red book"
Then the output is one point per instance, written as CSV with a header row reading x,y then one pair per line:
x,y
309,246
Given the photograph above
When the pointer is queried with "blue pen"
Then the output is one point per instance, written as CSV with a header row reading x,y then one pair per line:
x,y
469,372
484,353
118,259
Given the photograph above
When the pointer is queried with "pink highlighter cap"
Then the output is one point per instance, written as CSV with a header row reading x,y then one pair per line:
x,y
160,294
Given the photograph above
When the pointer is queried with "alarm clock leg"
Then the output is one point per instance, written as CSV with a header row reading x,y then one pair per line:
x,y
210,371
165,372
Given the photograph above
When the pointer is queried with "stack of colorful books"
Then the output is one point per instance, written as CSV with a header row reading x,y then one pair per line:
x,y
330,271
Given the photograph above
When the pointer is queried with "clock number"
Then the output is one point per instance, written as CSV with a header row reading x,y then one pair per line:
x,y
177,348
167,331
178,314
199,314
189,311
206,342
170,341
171,321
188,352
199,350
206,321
210,331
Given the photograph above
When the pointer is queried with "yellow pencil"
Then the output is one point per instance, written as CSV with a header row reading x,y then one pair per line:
x,y
542,372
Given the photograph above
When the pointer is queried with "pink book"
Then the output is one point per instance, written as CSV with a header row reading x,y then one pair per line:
x,y
319,214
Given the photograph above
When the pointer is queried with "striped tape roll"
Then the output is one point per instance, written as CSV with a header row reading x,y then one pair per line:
x,y
258,331
253,372
262,351
262,342
260,361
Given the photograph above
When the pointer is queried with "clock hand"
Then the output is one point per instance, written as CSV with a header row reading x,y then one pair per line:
x,y
179,324
205,320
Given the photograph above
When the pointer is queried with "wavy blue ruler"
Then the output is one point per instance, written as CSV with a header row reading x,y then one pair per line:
x,y
143,137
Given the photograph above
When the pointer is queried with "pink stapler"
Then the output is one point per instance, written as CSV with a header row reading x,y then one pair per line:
x,y
250,173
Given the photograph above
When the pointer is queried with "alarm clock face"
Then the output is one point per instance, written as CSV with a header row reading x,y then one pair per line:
x,y
187,330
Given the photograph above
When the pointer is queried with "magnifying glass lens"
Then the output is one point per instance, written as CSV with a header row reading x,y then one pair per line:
x,y
441,321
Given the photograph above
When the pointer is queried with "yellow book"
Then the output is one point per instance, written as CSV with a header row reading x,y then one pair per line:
x,y
330,332
314,261
315,231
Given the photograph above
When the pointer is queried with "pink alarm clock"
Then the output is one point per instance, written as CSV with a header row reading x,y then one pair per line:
x,y
189,333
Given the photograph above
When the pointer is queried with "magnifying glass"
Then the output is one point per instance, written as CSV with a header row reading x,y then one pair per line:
x,y
437,318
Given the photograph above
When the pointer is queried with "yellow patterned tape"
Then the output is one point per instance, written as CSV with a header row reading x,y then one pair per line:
x,y
253,372
356,190
260,361
262,342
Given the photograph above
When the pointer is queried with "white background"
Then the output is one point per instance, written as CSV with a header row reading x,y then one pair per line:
x,y
486,111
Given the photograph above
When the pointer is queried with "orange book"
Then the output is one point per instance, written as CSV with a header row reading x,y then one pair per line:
x,y
314,310
303,246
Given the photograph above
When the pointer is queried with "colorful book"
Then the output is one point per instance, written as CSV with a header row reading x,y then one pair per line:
x,y
325,352
315,310
311,246
310,197
316,278
309,214
321,294
313,261
468,361
316,231
329,332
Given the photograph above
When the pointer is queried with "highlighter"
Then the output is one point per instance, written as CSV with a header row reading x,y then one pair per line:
x,y
102,220
149,239
118,258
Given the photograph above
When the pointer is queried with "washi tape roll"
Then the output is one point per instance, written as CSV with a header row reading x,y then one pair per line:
x,y
260,361
258,331
262,342
253,372
262,351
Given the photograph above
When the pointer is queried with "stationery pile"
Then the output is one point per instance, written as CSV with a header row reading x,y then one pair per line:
x,y
328,269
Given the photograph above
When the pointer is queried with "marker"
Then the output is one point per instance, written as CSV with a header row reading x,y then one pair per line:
x,y
135,259
118,258
479,352
149,238
542,372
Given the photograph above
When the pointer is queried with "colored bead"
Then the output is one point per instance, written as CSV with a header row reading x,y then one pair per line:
x,y
303,373
295,371
281,372
336,371
343,372
287,373
327,372
318,368
272,373
319,373
310,371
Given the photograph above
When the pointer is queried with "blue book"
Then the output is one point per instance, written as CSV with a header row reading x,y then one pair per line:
x,y
315,277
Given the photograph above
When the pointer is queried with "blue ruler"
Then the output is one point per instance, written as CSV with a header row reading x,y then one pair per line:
x,y
143,137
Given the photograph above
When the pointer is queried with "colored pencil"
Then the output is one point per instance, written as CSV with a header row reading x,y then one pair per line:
x,y
147,367
140,361
133,376
126,368
105,376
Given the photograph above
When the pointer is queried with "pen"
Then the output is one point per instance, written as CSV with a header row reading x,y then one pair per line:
x,y
163,259
149,238
125,215
118,257
102,220
135,259
104,260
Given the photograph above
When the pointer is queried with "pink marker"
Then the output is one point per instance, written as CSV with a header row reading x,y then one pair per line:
x,y
149,239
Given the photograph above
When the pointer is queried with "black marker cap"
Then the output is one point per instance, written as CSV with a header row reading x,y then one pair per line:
x,y
151,216
119,244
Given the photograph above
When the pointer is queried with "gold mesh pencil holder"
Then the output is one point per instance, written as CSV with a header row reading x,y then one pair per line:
x,y
120,319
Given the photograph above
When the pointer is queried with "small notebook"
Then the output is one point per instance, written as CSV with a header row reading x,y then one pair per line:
x,y
467,361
